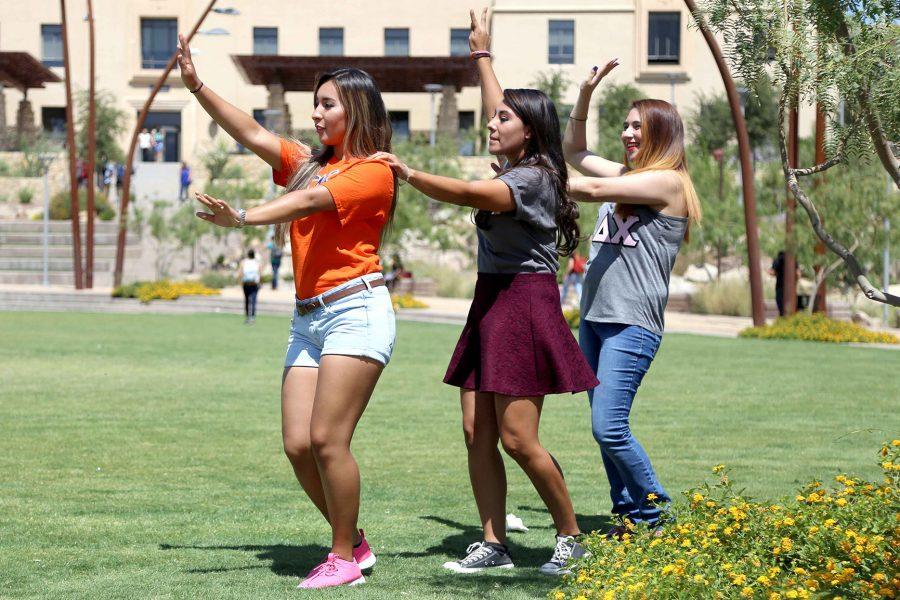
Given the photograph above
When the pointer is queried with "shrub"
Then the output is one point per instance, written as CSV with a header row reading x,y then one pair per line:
x,y
61,205
5,170
726,297
449,283
824,543
407,301
145,291
25,195
231,190
217,280
817,327
573,317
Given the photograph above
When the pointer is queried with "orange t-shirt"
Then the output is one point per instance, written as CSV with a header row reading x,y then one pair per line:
x,y
331,247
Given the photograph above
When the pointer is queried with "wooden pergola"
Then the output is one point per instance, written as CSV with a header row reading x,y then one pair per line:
x,y
22,71
409,74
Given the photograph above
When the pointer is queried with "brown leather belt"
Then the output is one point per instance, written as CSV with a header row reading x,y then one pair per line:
x,y
307,306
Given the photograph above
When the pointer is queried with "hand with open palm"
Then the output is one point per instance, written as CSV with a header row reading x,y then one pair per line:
x,y
186,65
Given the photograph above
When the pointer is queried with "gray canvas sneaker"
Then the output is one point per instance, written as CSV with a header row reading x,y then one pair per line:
x,y
567,549
481,556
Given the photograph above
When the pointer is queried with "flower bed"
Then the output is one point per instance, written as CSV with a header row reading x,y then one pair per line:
x,y
827,542
407,301
145,291
817,328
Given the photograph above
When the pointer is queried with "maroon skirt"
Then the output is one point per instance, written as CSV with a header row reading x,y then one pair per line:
x,y
516,341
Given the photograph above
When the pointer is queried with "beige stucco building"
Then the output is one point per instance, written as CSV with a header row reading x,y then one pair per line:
x,y
657,49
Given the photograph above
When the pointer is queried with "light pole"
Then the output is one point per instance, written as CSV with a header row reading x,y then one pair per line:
x,y
433,89
46,160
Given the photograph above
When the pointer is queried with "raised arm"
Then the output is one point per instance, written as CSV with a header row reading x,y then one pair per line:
x,y
286,208
238,124
575,138
480,41
492,194
661,190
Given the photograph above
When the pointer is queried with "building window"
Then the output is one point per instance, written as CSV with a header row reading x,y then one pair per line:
x,y
331,41
396,42
53,118
158,40
265,40
459,42
664,37
51,45
400,124
562,43
467,134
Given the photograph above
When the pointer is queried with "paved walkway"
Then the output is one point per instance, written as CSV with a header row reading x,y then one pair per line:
x,y
280,302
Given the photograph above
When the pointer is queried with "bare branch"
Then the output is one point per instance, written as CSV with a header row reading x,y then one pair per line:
x,y
823,274
818,168
871,292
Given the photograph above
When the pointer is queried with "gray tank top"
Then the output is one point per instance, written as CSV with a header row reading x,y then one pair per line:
x,y
627,275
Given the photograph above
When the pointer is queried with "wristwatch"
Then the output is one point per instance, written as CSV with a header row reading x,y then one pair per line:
x,y
242,218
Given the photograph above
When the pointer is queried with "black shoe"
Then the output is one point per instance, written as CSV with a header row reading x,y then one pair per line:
x,y
480,556
567,549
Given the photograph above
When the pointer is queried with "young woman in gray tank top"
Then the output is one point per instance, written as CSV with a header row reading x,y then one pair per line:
x,y
650,203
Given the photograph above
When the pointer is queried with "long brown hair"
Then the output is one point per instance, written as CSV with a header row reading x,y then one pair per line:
x,y
368,131
544,151
662,149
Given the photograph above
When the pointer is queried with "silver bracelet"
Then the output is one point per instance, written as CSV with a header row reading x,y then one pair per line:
x,y
242,218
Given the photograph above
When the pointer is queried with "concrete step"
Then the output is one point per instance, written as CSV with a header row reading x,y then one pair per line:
x,y
37,251
17,226
54,239
102,279
53,264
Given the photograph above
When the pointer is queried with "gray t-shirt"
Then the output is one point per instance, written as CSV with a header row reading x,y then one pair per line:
x,y
522,240
627,275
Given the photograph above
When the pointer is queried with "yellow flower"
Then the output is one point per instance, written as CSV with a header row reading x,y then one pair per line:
x,y
747,592
840,502
697,497
651,497
717,468
763,580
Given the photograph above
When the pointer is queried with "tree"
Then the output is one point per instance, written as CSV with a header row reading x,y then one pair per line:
x,y
715,179
709,125
841,56
554,83
443,224
110,126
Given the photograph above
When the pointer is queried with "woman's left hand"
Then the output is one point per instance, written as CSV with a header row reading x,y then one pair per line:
x,y
402,171
222,214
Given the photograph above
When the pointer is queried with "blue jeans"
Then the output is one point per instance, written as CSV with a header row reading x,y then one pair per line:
x,y
620,356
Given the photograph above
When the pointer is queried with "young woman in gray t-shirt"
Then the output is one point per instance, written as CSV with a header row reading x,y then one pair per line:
x,y
650,203
516,347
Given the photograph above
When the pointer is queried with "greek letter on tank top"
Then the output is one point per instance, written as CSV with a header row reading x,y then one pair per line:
x,y
627,276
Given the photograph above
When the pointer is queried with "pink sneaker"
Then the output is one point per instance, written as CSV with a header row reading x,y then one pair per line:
x,y
333,572
362,554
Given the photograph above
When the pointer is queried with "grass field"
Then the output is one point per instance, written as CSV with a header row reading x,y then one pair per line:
x,y
140,455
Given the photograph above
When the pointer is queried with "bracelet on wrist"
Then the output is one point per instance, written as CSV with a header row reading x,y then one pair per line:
x,y
480,54
242,218
199,87
574,118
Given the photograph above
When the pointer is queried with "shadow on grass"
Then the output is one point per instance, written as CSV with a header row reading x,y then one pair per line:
x,y
587,523
286,561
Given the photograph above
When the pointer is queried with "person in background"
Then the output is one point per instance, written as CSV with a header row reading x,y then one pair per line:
x,y
185,178
275,255
158,144
248,273
396,272
145,143
574,277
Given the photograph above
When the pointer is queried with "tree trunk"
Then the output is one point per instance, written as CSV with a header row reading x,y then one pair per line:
x,y
756,291
70,146
129,158
91,155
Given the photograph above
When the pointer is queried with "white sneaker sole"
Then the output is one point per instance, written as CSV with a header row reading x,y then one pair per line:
x,y
454,566
368,563
359,581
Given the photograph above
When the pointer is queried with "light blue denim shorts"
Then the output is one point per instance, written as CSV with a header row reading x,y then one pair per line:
x,y
361,324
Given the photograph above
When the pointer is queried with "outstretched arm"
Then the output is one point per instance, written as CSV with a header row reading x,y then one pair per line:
x,y
480,41
286,208
575,138
661,190
492,194
238,124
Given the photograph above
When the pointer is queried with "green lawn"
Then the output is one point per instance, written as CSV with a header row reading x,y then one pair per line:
x,y
140,456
